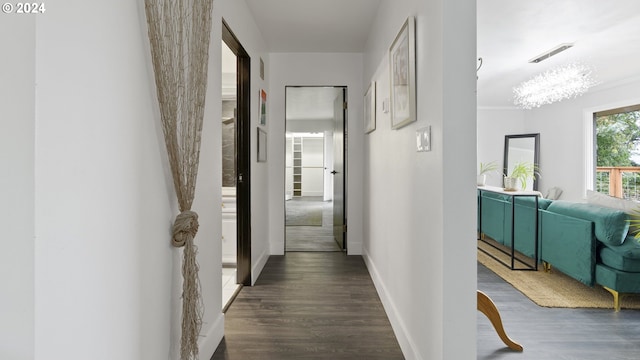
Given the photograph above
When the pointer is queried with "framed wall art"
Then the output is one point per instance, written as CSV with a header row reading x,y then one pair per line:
x,y
370,108
261,69
402,68
263,107
262,145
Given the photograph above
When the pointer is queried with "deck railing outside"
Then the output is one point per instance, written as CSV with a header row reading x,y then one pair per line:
x,y
621,182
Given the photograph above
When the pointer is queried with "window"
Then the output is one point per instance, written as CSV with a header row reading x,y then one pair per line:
x,y
617,137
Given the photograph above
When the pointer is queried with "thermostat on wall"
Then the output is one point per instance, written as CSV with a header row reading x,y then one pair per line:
x,y
423,139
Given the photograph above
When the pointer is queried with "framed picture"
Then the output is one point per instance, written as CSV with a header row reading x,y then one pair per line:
x,y
261,69
402,68
263,107
262,145
370,108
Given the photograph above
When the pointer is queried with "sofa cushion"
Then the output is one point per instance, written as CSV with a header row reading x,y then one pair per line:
x,y
625,257
622,281
611,226
629,206
613,260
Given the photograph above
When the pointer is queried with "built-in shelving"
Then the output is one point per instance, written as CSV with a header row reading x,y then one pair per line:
x,y
297,166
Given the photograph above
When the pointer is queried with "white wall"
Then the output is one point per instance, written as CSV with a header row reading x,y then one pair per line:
x,y
312,166
562,134
419,225
340,69
309,126
328,164
105,273
91,202
493,125
17,138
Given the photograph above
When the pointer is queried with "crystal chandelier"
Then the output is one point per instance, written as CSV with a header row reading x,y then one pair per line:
x,y
563,82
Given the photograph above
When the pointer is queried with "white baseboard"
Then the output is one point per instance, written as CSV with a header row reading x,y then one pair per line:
x,y
209,342
407,344
259,265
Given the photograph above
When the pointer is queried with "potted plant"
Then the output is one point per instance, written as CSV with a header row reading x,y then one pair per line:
x,y
486,168
521,172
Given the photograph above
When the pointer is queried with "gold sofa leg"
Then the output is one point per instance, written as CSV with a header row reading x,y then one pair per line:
x,y
546,266
616,298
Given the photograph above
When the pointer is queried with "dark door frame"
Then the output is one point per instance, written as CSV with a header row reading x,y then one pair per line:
x,y
243,155
345,91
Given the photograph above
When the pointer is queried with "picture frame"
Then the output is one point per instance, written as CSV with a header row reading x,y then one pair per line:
x,y
402,69
261,69
262,145
263,107
370,108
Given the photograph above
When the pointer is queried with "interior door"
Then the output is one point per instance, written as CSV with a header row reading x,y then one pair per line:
x,y
339,166
243,156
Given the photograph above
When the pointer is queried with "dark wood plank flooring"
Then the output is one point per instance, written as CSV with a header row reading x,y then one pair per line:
x,y
558,334
309,305
312,238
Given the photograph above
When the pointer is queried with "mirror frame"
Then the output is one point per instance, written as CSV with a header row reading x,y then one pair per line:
x,y
536,154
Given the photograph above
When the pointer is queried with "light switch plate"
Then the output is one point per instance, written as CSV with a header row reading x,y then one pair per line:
x,y
385,105
423,139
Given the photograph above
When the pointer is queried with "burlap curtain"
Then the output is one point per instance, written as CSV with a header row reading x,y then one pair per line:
x,y
179,32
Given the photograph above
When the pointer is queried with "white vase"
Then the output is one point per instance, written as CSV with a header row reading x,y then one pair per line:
x,y
510,183
481,179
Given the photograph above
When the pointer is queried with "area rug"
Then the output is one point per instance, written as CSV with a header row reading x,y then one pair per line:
x,y
553,289
303,214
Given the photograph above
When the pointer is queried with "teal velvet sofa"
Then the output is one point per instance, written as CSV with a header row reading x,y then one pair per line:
x,y
496,218
588,242
592,244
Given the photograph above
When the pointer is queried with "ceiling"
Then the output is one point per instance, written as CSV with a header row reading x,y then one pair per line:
x,y
606,36
314,25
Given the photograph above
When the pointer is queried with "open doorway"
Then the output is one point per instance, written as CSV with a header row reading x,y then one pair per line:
x,y
315,168
236,180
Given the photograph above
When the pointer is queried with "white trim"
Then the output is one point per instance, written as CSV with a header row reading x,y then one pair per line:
x,y
209,343
406,342
256,270
587,163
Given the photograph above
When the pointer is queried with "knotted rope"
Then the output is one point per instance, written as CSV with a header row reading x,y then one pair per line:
x,y
184,228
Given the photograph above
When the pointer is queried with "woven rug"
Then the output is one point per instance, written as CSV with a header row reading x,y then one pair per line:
x,y
553,289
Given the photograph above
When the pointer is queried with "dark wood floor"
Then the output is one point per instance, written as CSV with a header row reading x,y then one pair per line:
x,y
323,305
309,305
312,238
558,334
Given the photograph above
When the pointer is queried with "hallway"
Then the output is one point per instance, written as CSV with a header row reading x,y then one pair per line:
x,y
320,305
305,236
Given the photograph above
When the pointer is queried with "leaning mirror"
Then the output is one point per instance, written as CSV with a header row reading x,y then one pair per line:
x,y
519,149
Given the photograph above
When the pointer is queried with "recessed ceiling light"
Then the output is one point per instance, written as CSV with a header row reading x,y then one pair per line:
x,y
556,50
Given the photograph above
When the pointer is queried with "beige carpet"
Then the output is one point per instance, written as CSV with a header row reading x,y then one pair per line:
x,y
303,214
554,289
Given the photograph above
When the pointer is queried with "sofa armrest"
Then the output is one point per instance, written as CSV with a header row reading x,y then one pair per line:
x,y
493,218
569,245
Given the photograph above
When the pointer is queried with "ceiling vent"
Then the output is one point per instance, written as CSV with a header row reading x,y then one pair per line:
x,y
556,50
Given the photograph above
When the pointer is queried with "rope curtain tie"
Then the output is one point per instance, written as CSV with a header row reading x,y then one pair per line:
x,y
185,227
